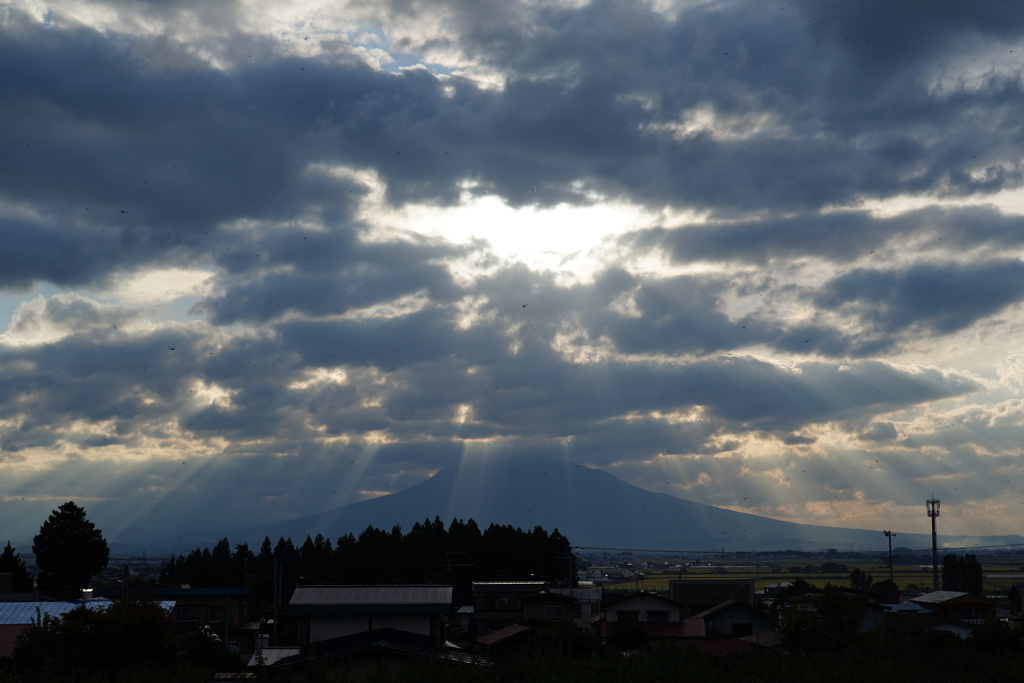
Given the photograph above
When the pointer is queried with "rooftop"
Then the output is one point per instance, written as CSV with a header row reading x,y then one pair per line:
x,y
28,612
363,600
372,595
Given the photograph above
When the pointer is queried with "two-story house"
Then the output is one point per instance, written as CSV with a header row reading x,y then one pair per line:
x,y
332,611
957,606
698,595
657,617
499,603
357,630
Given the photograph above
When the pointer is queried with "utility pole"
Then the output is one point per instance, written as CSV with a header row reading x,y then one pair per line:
x,y
888,535
124,587
933,512
277,593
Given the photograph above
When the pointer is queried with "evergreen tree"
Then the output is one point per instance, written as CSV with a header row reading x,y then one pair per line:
x,y
427,554
860,580
261,576
315,559
971,575
962,573
266,550
950,573
69,551
11,563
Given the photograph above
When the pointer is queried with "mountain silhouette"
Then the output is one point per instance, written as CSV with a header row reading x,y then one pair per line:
x,y
590,507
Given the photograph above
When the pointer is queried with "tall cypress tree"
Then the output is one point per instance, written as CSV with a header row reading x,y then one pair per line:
x,y
69,551
11,563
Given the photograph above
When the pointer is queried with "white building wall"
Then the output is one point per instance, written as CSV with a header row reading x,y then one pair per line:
x,y
322,628
642,605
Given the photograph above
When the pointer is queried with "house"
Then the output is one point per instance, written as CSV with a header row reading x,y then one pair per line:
x,y
698,595
463,621
548,607
15,617
656,617
499,603
223,608
929,622
503,644
365,655
327,612
767,595
357,632
588,603
957,606
540,611
735,620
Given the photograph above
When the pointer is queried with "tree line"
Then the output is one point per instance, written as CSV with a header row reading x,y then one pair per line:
x,y
428,553
962,573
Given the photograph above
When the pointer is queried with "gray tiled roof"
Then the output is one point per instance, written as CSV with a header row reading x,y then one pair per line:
x,y
371,595
936,597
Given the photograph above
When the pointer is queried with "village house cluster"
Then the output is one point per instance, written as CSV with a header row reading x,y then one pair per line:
x,y
361,627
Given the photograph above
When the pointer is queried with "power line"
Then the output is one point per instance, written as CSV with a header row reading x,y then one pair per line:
x,y
762,552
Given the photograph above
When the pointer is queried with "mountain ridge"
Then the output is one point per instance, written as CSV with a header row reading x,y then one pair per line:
x,y
592,508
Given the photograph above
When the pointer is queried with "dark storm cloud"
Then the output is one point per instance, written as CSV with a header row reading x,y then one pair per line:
x,y
830,135
684,315
184,148
839,237
750,393
940,298
675,314
132,162
328,273
883,37
387,343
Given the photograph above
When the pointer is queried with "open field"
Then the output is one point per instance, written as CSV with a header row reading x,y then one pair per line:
x,y
1000,575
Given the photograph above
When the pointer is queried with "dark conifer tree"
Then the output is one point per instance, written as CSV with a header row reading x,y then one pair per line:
x,y
11,563
69,551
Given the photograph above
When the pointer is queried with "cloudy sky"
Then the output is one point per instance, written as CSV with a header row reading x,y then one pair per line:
x,y
261,259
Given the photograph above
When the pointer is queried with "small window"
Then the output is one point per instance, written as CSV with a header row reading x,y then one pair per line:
x,y
184,614
554,611
628,615
218,613
657,616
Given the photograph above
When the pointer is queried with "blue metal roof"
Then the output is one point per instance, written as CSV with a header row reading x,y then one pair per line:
x,y
28,612
157,591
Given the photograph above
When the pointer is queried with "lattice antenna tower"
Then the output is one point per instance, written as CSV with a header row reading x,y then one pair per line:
x,y
933,512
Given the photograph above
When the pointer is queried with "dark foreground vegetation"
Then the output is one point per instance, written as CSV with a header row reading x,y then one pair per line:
x,y
880,656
